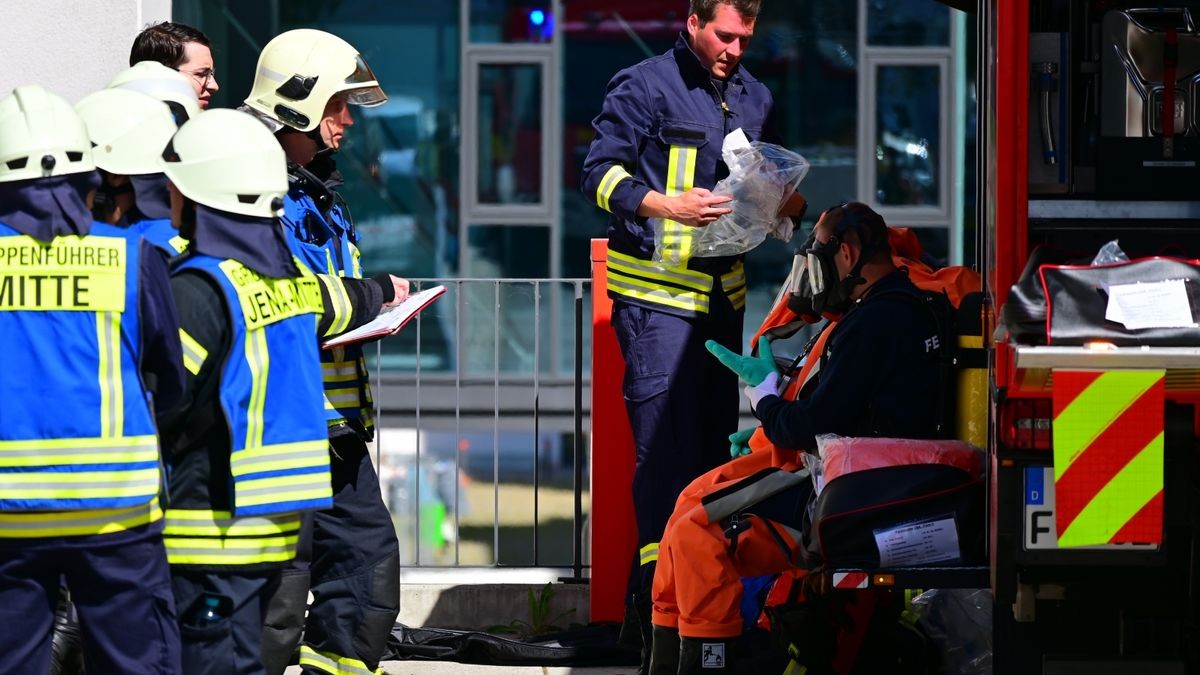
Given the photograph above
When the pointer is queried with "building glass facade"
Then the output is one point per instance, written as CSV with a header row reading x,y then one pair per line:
x,y
471,169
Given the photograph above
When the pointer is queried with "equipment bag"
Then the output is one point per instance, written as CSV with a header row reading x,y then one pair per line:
x,y
1148,301
896,503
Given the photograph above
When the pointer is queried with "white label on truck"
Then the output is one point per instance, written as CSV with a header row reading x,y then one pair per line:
x,y
920,543
1040,529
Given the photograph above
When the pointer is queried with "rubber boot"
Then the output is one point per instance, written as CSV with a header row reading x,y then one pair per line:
x,y
641,608
702,656
664,654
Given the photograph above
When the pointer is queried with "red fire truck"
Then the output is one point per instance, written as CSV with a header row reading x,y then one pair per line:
x,y
1082,144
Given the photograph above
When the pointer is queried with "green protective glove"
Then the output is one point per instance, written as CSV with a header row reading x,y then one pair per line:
x,y
752,370
739,442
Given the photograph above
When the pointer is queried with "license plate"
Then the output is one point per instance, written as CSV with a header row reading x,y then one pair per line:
x,y
1040,529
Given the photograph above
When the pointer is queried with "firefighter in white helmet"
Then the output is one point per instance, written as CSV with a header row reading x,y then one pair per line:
x,y
304,86
150,215
90,337
129,132
247,452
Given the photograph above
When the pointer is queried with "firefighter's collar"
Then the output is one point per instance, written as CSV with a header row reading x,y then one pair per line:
x,y
45,208
256,242
693,71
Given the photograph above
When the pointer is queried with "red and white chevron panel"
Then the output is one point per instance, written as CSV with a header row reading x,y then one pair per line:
x,y
851,580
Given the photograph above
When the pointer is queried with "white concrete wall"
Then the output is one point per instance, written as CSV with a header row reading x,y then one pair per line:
x,y
72,47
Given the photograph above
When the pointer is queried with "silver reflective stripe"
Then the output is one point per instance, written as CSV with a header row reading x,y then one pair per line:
x,y
148,483
242,464
753,493
111,400
6,454
317,481
348,398
91,520
335,369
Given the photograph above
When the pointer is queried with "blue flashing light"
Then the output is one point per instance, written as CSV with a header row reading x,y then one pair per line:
x,y
537,17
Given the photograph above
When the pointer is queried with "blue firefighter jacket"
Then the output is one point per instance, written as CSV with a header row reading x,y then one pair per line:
x,y
661,128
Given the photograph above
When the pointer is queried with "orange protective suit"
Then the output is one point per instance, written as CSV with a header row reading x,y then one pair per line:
x,y
697,585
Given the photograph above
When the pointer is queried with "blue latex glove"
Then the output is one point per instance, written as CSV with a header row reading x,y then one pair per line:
x,y
752,370
739,442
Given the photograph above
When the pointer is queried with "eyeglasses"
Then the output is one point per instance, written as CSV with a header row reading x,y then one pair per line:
x,y
202,76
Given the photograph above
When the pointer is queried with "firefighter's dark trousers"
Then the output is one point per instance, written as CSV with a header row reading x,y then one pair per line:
x,y
231,641
121,588
353,570
682,405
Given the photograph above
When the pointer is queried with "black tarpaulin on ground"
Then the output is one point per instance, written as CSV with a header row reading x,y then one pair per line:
x,y
589,646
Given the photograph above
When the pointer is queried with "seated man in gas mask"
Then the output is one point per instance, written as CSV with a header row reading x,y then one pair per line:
x,y
879,375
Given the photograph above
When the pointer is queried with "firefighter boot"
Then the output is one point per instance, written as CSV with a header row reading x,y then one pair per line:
x,y
640,607
702,656
664,655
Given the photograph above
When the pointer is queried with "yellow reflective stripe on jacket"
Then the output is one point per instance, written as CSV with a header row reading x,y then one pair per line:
x,y
178,243
733,283
681,276
112,398
242,551
200,537
615,174
203,523
284,456
660,295
16,525
328,662
342,309
194,354
681,171
648,553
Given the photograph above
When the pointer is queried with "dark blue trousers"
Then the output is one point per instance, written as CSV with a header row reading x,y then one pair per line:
x,y
350,558
232,643
121,588
682,405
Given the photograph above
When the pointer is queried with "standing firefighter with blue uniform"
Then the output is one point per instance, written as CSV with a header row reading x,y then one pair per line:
x,y
304,85
90,334
247,446
656,155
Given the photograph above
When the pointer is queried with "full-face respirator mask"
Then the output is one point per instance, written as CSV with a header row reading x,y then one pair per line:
x,y
816,288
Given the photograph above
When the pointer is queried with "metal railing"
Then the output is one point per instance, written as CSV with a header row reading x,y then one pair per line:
x,y
499,365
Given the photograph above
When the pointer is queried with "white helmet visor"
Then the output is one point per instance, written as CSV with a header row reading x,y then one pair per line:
x,y
361,87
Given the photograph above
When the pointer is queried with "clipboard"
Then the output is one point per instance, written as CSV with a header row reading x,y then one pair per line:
x,y
388,322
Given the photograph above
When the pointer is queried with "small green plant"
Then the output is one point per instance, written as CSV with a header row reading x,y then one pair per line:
x,y
540,621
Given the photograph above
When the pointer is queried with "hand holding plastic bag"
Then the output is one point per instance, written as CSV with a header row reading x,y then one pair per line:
x,y
762,177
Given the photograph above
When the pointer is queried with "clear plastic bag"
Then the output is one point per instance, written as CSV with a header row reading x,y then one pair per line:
x,y
762,177
959,622
1110,253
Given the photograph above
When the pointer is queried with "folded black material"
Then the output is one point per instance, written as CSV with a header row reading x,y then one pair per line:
x,y
594,645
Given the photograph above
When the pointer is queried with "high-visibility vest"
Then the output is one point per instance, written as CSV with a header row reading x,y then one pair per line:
x,y
269,390
77,434
344,370
215,538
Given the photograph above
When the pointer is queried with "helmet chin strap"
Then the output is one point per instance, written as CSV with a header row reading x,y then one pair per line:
x,y
322,147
